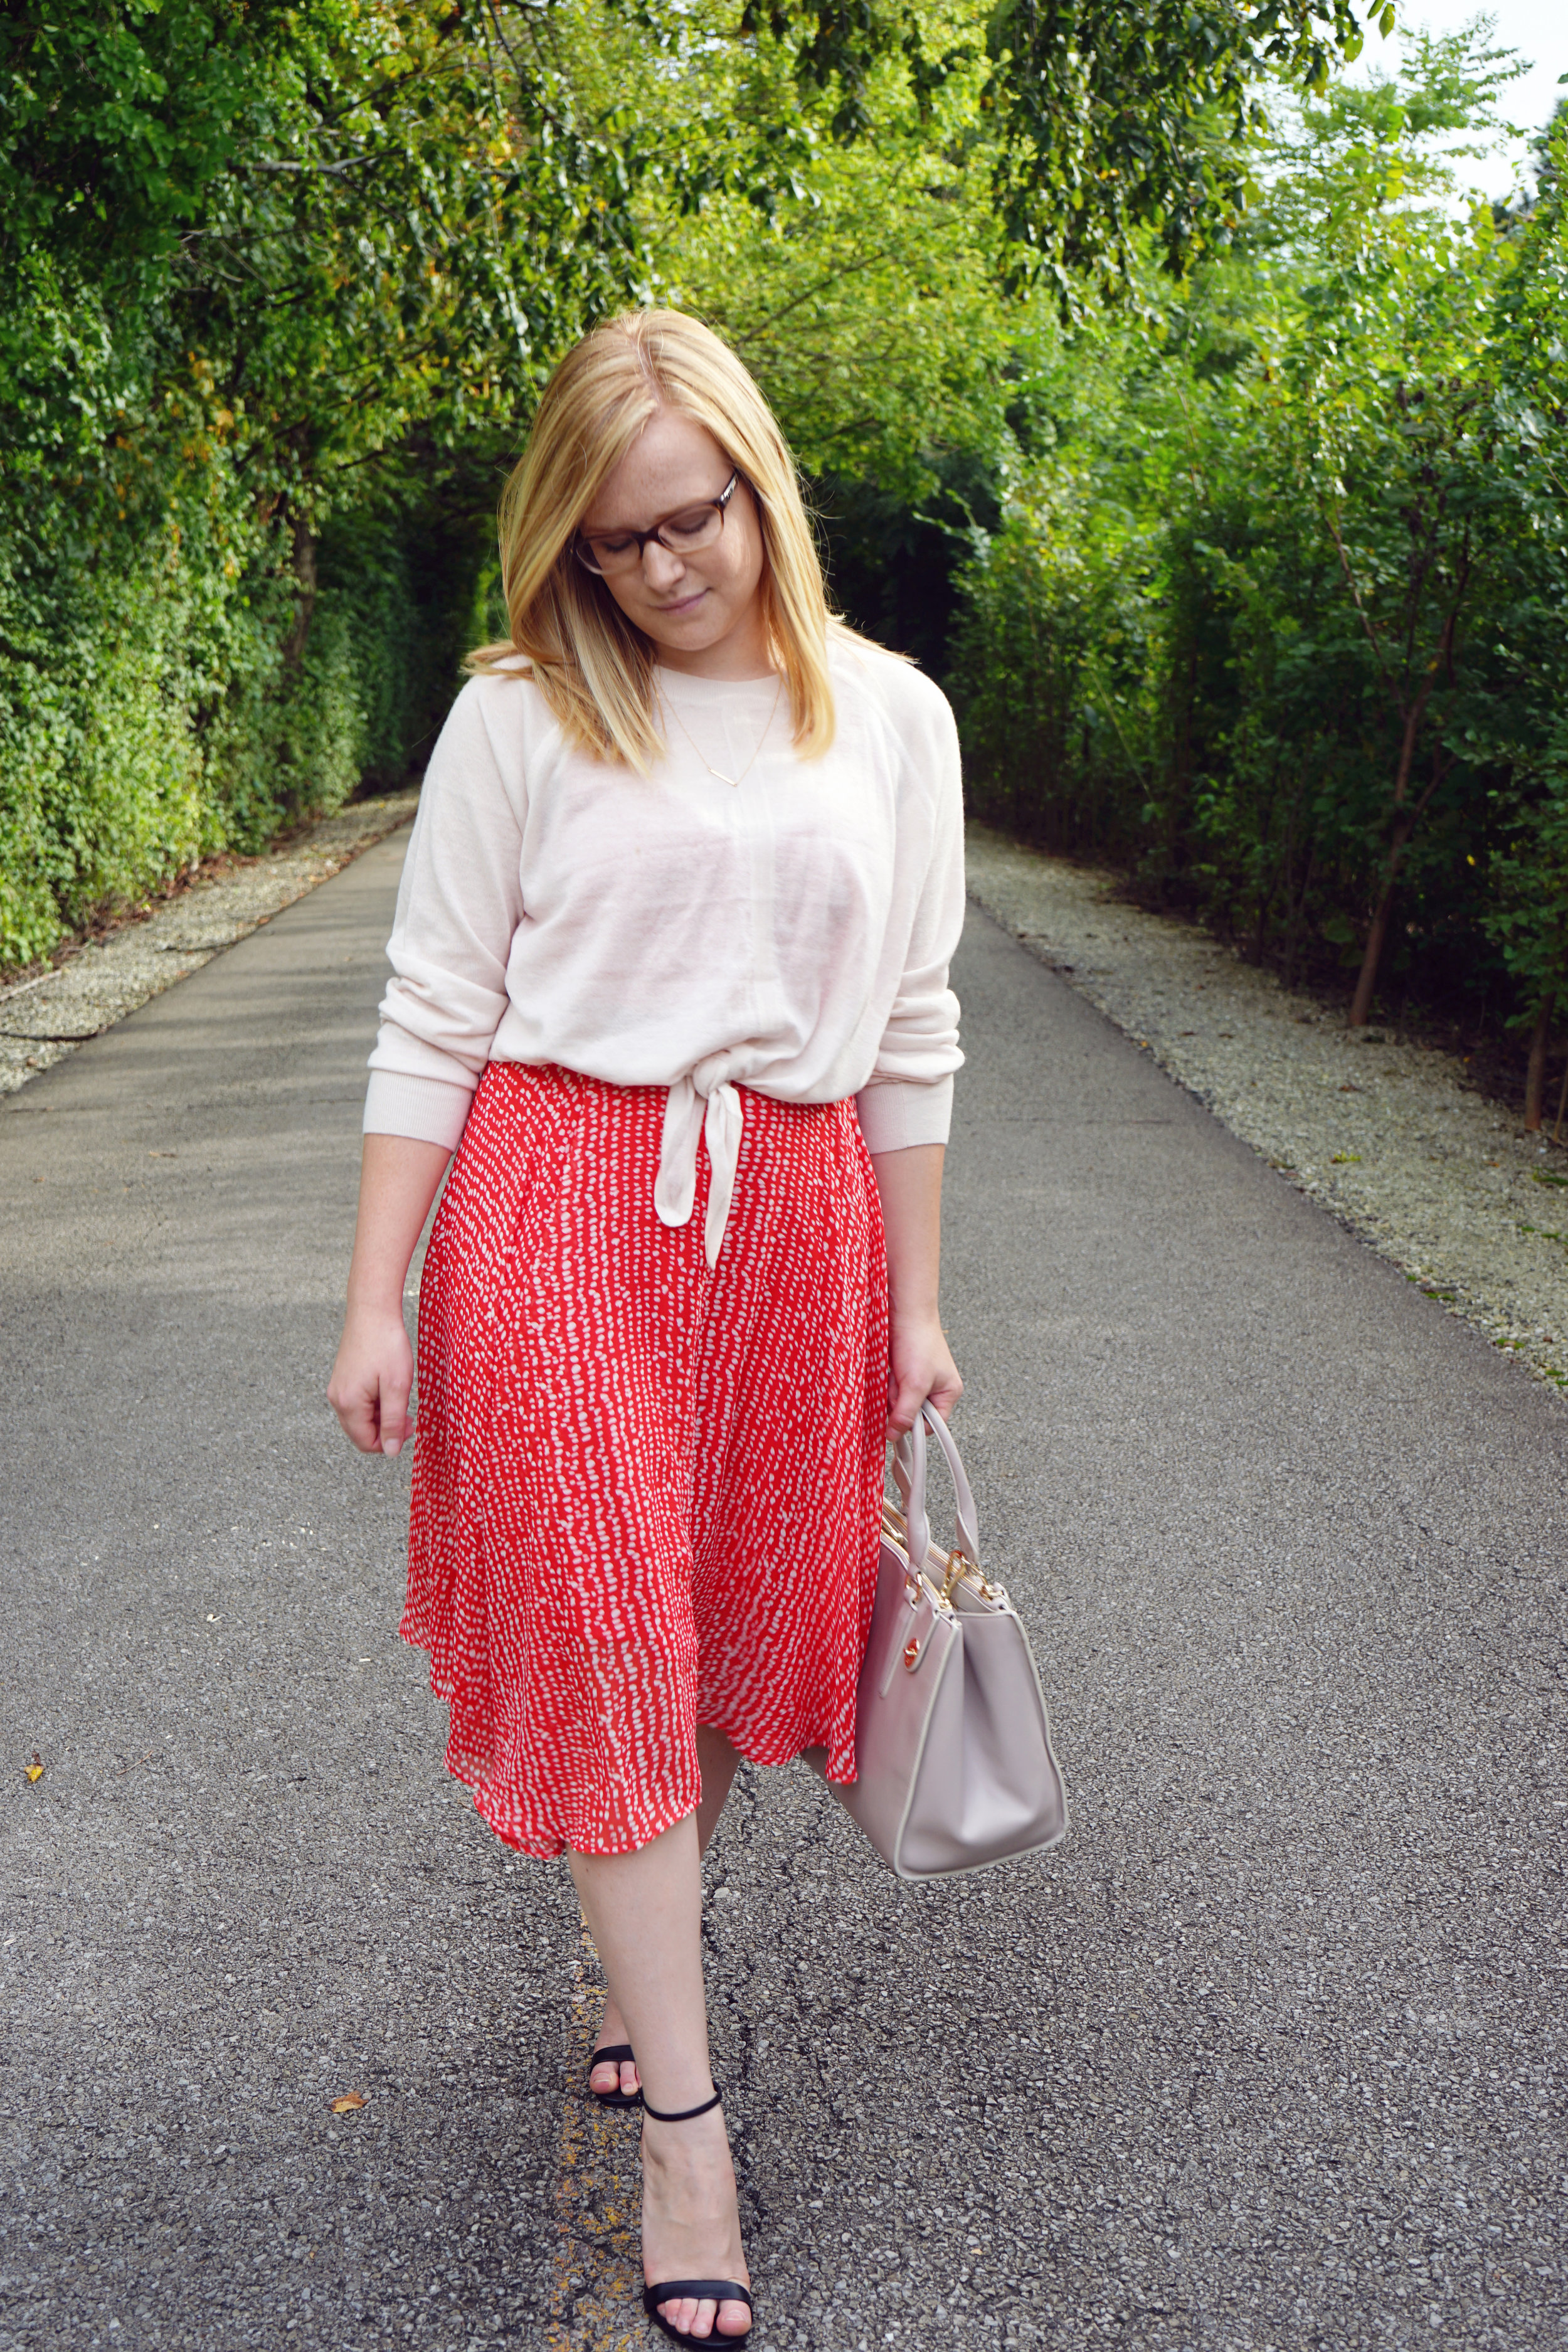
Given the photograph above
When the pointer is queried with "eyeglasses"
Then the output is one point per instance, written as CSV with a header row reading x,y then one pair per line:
x,y
607,552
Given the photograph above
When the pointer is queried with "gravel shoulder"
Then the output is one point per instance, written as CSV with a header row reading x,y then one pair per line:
x,y
44,1018
1388,1136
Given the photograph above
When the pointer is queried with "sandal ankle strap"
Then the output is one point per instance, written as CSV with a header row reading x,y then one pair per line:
x,y
685,2114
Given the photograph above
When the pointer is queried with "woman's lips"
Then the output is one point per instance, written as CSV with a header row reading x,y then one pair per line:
x,y
686,604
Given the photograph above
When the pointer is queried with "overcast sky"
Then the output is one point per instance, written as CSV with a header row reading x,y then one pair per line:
x,y
1537,28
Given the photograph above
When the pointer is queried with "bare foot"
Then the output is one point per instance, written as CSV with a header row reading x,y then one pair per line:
x,y
691,2223
609,2076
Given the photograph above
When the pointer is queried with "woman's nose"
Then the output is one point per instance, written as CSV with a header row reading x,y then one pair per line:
x,y
660,567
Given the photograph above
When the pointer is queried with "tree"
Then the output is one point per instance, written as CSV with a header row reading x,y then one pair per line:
x,y
1274,615
1107,121
261,268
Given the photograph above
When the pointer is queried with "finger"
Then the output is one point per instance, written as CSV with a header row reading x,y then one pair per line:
x,y
355,1408
395,1421
904,1410
945,1393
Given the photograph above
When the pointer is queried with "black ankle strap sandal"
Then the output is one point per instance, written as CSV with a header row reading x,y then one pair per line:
x,y
701,2291
684,2114
715,2291
616,2054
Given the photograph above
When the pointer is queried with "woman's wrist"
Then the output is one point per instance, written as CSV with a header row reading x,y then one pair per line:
x,y
910,1313
372,1297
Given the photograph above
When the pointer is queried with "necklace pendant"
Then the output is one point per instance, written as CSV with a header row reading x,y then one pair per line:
x,y
717,774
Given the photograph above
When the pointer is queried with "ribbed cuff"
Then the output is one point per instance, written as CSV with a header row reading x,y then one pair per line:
x,y
897,1113
428,1110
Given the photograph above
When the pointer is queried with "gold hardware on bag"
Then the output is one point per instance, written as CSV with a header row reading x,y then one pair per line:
x,y
912,1652
958,1566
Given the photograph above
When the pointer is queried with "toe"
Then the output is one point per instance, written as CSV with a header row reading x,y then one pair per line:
x,y
734,2319
630,2082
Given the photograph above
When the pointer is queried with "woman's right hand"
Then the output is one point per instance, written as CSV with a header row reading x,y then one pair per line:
x,y
372,1378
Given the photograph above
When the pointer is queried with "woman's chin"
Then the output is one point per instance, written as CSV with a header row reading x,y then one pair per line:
x,y
693,630
701,635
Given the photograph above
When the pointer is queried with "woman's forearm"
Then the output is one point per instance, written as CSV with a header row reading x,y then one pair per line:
x,y
909,1183
373,1374
399,1178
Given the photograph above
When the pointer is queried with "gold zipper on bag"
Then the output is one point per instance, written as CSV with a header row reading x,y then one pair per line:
x,y
956,1569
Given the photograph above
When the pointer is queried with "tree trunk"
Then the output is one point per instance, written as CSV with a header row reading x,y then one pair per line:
x,y
1182,770
304,558
1406,825
1406,822
1535,1076
1296,916
1403,827
1366,980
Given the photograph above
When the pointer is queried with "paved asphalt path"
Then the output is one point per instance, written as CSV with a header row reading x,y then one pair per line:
x,y
1271,2053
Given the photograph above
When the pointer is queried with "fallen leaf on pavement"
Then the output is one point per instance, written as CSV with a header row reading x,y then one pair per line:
x,y
350,2100
35,1769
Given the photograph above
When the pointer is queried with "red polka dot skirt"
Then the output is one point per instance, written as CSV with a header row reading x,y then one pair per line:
x,y
647,1491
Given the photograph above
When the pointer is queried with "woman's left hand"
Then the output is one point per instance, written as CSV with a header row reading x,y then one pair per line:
x,y
920,1365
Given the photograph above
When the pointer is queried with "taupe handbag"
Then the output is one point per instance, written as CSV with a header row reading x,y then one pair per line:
x,y
952,1747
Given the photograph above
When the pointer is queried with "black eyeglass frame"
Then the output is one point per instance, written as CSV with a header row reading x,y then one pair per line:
x,y
581,545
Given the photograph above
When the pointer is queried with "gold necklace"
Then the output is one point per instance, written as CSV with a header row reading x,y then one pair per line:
x,y
719,772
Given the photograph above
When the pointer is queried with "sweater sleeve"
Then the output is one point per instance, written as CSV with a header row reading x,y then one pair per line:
x,y
458,907
908,1099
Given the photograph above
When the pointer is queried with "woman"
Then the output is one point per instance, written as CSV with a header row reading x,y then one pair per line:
x,y
670,962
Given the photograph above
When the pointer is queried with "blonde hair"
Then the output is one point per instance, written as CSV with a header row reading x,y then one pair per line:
x,y
594,667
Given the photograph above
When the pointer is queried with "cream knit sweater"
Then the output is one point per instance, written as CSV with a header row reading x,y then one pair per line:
x,y
790,933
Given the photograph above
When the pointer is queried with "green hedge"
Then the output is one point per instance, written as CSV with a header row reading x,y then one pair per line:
x,y
1276,613
277,285
167,691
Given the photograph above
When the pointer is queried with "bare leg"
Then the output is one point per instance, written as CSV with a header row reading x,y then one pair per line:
x,y
719,1763
645,1913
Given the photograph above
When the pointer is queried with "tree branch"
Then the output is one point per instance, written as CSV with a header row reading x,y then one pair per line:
x,y
1372,635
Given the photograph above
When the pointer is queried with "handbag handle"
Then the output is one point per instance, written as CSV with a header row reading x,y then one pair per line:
x,y
909,1477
